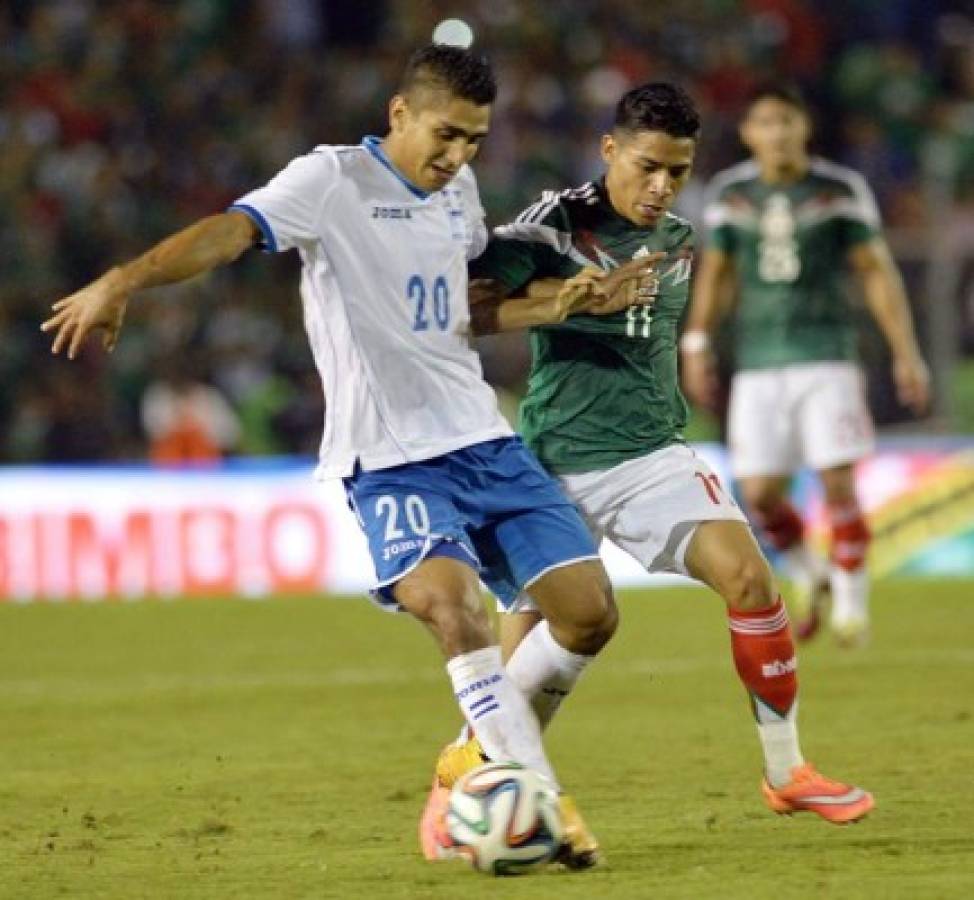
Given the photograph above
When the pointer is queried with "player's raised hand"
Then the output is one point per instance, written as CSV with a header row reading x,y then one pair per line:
x,y
636,282
580,291
912,380
99,305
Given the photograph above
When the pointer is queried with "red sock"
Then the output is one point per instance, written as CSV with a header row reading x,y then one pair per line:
x,y
782,526
764,654
850,536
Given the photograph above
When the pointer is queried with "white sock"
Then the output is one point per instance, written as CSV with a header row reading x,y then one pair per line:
x,y
545,671
497,710
779,740
850,596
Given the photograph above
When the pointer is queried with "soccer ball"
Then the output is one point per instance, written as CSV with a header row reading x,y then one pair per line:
x,y
504,818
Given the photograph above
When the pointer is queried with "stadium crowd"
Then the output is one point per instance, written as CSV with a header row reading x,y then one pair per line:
x,y
123,121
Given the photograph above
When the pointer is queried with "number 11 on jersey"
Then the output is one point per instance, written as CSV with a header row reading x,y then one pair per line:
x,y
639,319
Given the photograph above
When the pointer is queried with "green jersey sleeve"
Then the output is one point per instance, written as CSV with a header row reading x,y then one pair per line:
x,y
857,214
528,247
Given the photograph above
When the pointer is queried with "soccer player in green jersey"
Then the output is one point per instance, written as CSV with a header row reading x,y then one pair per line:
x,y
784,230
604,413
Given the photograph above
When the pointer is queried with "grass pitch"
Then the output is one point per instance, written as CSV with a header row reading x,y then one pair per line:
x,y
283,750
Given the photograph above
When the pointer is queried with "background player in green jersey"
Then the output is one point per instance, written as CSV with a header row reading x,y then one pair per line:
x,y
784,230
604,413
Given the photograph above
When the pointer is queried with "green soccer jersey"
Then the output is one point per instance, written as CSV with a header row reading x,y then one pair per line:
x,y
789,244
602,389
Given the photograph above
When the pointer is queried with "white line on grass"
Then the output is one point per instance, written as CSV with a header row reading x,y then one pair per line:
x,y
138,684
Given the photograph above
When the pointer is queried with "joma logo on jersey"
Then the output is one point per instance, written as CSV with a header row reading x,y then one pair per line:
x,y
778,668
391,212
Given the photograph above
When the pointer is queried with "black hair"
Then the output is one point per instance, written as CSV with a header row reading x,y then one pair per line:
x,y
658,106
444,67
784,91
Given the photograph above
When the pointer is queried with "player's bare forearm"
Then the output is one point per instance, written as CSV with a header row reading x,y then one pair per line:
x,y
492,311
712,292
549,301
885,296
101,305
204,245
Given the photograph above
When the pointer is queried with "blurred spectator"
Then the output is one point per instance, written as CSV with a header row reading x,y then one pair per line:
x,y
187,421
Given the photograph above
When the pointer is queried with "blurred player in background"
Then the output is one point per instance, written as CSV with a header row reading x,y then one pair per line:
x,y
442,488
604,413
784,228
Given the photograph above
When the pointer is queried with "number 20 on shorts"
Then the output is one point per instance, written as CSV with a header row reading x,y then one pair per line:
x,y
417,516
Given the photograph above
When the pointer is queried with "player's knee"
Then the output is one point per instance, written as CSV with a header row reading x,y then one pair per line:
x,y
839,486
454,613
748,585
590,623
762,499
778,521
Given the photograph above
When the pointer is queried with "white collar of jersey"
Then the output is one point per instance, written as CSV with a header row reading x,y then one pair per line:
x,y
374,146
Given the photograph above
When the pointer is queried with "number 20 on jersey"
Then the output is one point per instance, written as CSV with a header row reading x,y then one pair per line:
x,y
430,302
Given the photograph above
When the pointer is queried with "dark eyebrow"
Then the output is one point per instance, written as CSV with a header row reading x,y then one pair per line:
x,y
462,132
649,161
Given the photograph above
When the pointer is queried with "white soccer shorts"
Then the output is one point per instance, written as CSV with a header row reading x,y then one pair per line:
x,y
812,414
650,507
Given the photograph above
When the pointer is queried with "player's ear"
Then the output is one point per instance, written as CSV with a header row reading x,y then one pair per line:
x,y
743,134
398,112
807,126
609,148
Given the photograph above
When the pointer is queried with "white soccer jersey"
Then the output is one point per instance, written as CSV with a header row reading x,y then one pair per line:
x,y
384,287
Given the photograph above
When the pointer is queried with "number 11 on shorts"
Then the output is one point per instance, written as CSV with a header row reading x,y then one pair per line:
x,y
711,484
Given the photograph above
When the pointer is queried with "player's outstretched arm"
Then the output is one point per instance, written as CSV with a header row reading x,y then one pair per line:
x,y
712,292
548,301
210,242
885,296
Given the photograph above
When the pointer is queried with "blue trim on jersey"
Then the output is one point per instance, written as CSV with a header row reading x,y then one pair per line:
x,y
257,217
372,144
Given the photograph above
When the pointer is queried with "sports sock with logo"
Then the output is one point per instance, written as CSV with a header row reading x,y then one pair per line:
x,y
545,671
764,654
497,710
850,583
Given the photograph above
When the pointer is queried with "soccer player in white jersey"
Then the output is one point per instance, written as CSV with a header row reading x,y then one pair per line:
x,y
442,488
784,228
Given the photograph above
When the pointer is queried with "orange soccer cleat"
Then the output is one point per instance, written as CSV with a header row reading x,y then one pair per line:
x,y
434,839
454,761
580,849
809,791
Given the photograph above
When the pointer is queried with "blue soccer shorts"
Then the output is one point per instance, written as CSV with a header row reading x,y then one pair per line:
x,y
490,505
